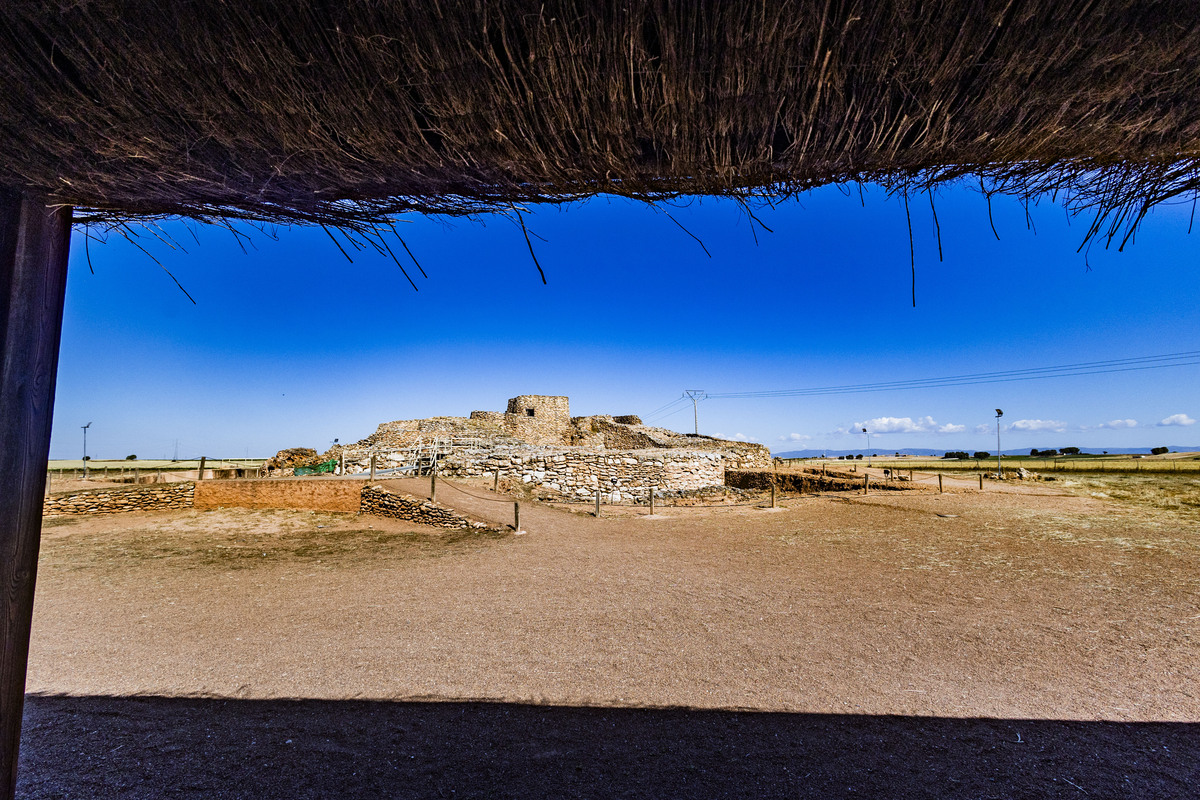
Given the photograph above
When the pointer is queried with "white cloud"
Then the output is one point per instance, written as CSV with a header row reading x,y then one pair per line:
x,y
924,424
1038,425
1114,424
741,437
1178,419
795,437
982,429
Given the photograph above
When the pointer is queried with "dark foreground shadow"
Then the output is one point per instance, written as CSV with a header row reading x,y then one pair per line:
x,y
160,747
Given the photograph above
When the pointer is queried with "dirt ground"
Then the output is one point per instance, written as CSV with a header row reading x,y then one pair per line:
x,y
1017,643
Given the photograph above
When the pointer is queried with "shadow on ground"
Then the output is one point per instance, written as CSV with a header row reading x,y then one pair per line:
x,y
160,747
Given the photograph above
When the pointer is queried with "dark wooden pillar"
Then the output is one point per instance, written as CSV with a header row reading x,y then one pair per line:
x,y
34,241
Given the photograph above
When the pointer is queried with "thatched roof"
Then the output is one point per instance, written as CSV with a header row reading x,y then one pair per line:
x,y
343,111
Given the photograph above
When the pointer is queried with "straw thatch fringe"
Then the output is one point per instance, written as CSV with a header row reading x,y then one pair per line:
x,y
345,112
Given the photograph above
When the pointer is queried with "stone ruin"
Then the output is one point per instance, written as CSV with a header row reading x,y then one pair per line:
x,y
537,441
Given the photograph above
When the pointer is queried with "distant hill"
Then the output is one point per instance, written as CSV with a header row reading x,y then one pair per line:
x,y
921,451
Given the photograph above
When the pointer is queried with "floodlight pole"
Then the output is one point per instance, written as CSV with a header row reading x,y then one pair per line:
x,y
695,394
999,469
868,433
85,464
34,241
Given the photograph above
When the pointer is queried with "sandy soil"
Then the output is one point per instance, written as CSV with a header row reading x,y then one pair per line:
x,y
996,644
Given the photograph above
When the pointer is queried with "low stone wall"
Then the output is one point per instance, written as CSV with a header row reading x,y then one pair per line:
x,y
113,501
309,494
625,475
382,503
806,482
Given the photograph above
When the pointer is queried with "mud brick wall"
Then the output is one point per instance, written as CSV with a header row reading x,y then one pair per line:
x,y
310,494
113,501
378,501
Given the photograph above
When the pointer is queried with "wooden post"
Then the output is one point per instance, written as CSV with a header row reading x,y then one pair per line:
x,y
200,472
516,516
137,475
866,483
981,481
34,242
773,494
496,481
158,477
939,483
597,502
652,501
433,485
372,466
342,462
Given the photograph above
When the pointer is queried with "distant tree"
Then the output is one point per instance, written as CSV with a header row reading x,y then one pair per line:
x,y
1033,452
858,457
982,454
131,458
87,458
1070,451
1158,451
956,454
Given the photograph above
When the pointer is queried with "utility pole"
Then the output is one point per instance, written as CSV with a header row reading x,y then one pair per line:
x,y
999,469
695,394
868,433
85,458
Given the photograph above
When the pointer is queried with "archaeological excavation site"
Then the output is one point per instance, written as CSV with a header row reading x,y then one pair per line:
x,y
537,442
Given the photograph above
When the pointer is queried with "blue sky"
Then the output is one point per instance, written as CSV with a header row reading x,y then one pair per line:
x,y
289,344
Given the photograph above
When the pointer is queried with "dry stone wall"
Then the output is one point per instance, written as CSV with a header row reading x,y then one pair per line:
x,y
580,472
378,501
113,501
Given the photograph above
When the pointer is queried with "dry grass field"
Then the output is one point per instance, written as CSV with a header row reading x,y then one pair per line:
x,y
1032,642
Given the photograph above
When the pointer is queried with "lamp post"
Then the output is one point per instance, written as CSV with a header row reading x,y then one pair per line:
x,y
868,433
85,427
999,469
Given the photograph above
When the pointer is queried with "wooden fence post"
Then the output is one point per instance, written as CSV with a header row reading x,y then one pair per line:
x,y
433,485
773,494
652,501
200,472
981,481
34,242
516,516
866,483
597,502
372,466
496,481
939,483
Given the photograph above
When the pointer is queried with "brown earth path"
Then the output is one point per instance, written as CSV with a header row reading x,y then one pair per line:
x,y
901,645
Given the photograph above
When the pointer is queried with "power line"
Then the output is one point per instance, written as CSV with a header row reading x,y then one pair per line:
x,y
1190,358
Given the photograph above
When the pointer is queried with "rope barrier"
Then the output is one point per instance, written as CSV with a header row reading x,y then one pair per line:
x,y
472,494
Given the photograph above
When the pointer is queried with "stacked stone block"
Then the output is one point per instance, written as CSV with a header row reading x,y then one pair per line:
x,y
113,501
378,501
579,472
